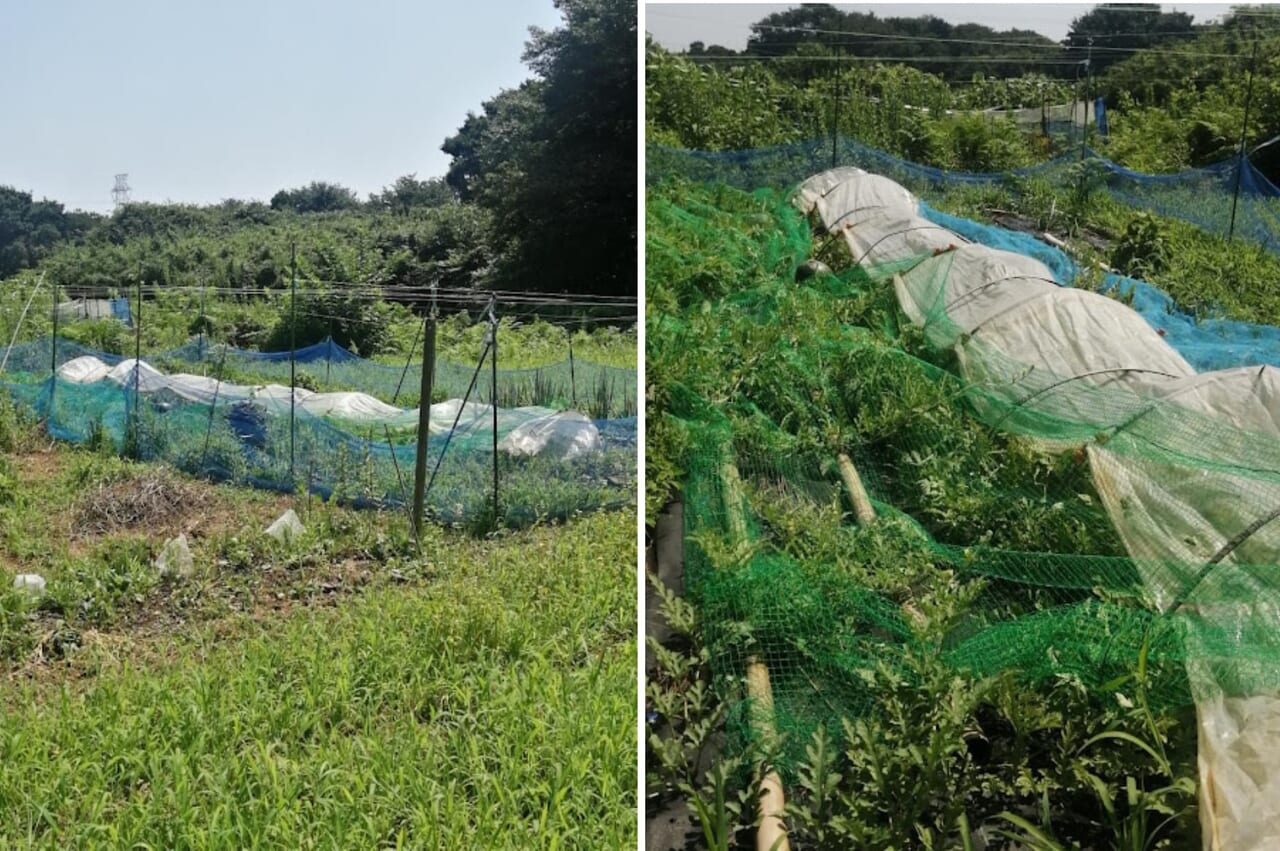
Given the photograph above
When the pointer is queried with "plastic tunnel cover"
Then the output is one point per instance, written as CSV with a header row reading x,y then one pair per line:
x,y
847,196
1248,397
959,290
885,237
1070,332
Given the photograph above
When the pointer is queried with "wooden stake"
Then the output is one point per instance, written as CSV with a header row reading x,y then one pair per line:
x,y
424,416
857,493
771,835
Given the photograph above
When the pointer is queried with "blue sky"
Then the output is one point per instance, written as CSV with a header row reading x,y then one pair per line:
x,y
198,102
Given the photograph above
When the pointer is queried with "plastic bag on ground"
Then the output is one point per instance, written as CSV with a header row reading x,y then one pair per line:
x,y
32,583
175,558
287,527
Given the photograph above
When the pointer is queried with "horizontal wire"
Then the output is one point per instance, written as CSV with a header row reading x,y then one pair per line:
x,y
1044,45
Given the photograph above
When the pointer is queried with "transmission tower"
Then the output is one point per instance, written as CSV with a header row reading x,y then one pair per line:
x,y
120,194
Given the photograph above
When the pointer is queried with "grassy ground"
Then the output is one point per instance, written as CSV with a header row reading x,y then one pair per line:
x,y
338,692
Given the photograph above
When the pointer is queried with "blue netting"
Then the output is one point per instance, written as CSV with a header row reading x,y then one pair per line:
x,y
1063,267
120,310
1201,196
1207,344
596,389
1204,197
247,442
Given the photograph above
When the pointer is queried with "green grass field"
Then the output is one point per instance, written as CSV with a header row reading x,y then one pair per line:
x,y
338,692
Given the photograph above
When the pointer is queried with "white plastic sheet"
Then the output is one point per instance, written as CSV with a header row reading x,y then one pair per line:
x,y
563,436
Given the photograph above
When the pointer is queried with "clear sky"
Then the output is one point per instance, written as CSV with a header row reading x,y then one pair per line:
x,y
675,25
201,101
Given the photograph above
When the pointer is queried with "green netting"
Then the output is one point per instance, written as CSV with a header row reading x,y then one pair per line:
x,y
556,465
236,441
1069,518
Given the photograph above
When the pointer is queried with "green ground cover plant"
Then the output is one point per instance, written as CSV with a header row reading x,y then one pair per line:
x,y
338,690
895,730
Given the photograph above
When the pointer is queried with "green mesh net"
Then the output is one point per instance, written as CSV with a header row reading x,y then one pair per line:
x,y
1030,521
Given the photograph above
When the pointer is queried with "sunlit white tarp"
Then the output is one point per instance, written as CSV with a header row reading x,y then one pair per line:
x,y
563,435
530,430
1195,523
847,196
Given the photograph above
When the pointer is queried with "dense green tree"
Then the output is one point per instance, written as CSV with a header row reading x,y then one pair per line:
x,y
488,146
29,230
554,161
316,197
1114,28
409,193
930,43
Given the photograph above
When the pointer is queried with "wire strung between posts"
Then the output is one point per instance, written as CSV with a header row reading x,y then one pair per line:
x,y
404,493
22,316
407,361
458,417
365,292
944,40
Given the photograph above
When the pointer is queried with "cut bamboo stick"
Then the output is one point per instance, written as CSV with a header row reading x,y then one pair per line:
x,y
866,514
862,508
732,495
771,835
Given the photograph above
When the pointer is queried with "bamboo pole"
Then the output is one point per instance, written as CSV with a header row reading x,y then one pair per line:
x,y
862,508
866,515
771,835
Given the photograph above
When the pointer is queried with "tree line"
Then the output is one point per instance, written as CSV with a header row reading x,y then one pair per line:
x,y
1175,93
539,195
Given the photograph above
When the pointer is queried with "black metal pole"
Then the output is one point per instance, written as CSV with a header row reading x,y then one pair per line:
x,y
493,382
1088,71
203,292
137,374
835,123
293,345
424,415
573,381
53,356
1244,130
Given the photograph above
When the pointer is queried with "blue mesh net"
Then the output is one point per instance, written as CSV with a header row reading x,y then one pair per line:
x,y
1200,196
1063,267
600,390
247,442
1205,197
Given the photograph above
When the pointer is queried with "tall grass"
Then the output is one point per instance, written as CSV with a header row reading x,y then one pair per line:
x,y
492,707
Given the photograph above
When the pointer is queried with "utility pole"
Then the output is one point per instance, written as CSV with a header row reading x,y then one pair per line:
x,y
424,415
1244,130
